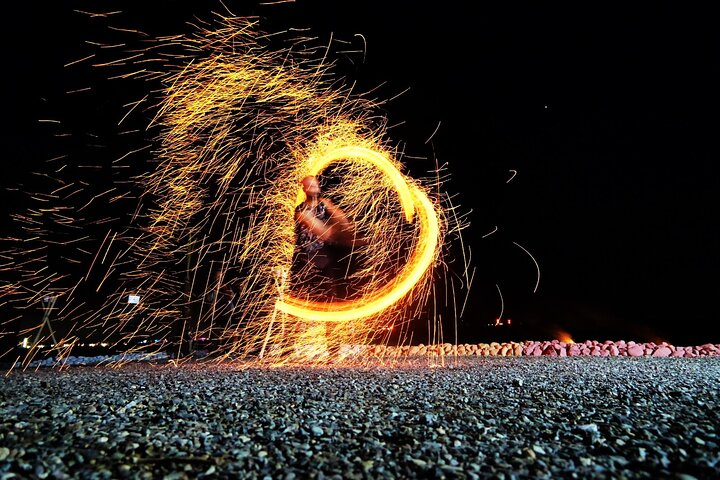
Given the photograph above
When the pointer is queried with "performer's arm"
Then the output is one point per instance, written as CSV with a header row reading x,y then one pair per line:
x,y
320,229
343,229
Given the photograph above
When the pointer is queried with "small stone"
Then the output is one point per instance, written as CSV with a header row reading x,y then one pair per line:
x,y
40,472
590,427
550,351
642,454
636,351
662,352
171,476
4,453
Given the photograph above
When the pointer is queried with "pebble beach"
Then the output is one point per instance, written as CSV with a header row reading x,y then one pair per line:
x,y
475,416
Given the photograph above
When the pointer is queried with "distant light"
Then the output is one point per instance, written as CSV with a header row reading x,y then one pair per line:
x,y
25,343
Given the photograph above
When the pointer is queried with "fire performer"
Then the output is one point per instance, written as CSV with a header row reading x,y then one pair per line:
x,y
324,239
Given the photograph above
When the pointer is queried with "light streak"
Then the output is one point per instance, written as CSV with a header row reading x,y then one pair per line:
x,y
433,133
79,60
502,302
493,231
537,267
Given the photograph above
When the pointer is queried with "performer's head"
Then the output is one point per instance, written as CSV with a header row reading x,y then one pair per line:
x,y
311,186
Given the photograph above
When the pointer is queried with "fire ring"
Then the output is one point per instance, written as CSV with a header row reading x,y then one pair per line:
x,y
416,206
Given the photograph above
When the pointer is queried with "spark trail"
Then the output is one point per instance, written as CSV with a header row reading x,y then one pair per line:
x,y
237,122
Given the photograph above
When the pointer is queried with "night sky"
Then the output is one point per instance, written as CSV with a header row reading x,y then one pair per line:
x,y
585,135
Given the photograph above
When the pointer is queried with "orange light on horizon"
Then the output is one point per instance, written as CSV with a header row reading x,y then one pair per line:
x,y
563,336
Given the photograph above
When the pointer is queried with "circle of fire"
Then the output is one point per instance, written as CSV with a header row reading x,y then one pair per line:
x,y
413,200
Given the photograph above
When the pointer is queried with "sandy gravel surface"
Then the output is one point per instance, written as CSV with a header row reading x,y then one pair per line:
x,y
486,417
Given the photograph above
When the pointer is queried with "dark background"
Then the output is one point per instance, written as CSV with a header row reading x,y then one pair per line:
x,y
608,114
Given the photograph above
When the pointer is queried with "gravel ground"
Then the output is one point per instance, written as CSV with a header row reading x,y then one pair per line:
x,y
495,417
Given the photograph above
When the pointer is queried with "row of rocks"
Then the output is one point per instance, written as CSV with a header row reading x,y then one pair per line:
x,y
553,348
619,348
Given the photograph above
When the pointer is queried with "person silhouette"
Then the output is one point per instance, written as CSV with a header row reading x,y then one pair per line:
x,y
324,243
324,239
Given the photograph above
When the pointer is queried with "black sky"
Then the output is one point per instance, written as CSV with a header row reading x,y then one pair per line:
x,y
608,114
